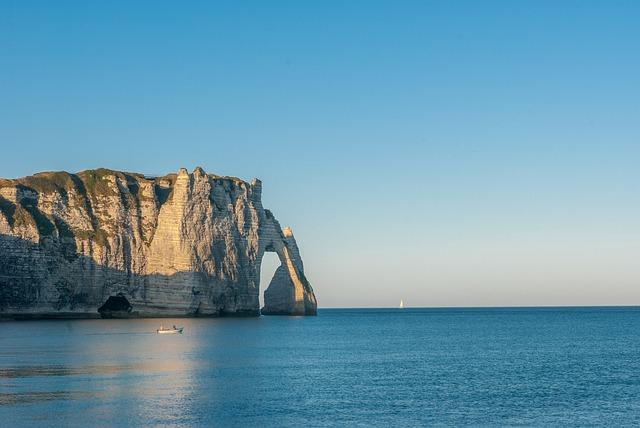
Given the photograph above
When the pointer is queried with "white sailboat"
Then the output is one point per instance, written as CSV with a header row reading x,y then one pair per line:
x,y
401,304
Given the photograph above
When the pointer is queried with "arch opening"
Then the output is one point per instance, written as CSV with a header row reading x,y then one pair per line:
x,y
270,262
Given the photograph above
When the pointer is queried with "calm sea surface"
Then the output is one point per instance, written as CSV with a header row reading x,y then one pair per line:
x,y
412,367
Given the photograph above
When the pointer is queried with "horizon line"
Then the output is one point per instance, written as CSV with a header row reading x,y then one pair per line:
x,y
483,307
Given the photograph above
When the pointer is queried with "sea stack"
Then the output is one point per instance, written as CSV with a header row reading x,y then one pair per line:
x,y
116,244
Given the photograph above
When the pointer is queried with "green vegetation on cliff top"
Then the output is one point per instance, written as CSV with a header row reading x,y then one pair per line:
x,y
86,185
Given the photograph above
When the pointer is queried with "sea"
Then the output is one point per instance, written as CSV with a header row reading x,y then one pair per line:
x,y
577,366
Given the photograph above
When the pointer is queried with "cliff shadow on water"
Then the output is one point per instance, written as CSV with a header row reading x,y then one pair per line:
x,y
109,244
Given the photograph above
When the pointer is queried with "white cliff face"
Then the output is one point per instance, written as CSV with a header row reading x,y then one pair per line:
x,y
179,245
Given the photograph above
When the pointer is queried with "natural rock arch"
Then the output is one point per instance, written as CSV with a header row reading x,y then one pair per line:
x,y
289,292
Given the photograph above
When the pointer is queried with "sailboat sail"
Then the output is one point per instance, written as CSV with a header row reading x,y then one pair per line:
x,y
401,304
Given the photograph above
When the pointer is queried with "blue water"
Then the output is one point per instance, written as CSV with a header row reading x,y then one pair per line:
x,y
542,366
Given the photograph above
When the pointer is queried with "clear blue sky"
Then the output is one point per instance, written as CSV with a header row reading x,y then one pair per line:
x,y
446,153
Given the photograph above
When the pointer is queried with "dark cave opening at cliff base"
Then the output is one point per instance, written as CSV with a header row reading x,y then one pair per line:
x,y
270,262
115,307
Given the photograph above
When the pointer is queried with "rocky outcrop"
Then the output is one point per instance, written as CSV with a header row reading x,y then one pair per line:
x,y
117,244
288,292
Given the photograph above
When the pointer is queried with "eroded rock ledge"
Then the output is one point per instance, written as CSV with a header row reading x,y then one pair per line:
x,y
186,244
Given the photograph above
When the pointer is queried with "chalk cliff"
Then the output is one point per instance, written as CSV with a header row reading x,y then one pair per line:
x,y
117,244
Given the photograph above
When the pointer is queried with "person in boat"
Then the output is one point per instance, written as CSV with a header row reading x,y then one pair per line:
x,y
174,327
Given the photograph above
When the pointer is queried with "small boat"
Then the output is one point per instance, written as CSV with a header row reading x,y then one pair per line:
x,y
401,304
173,330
